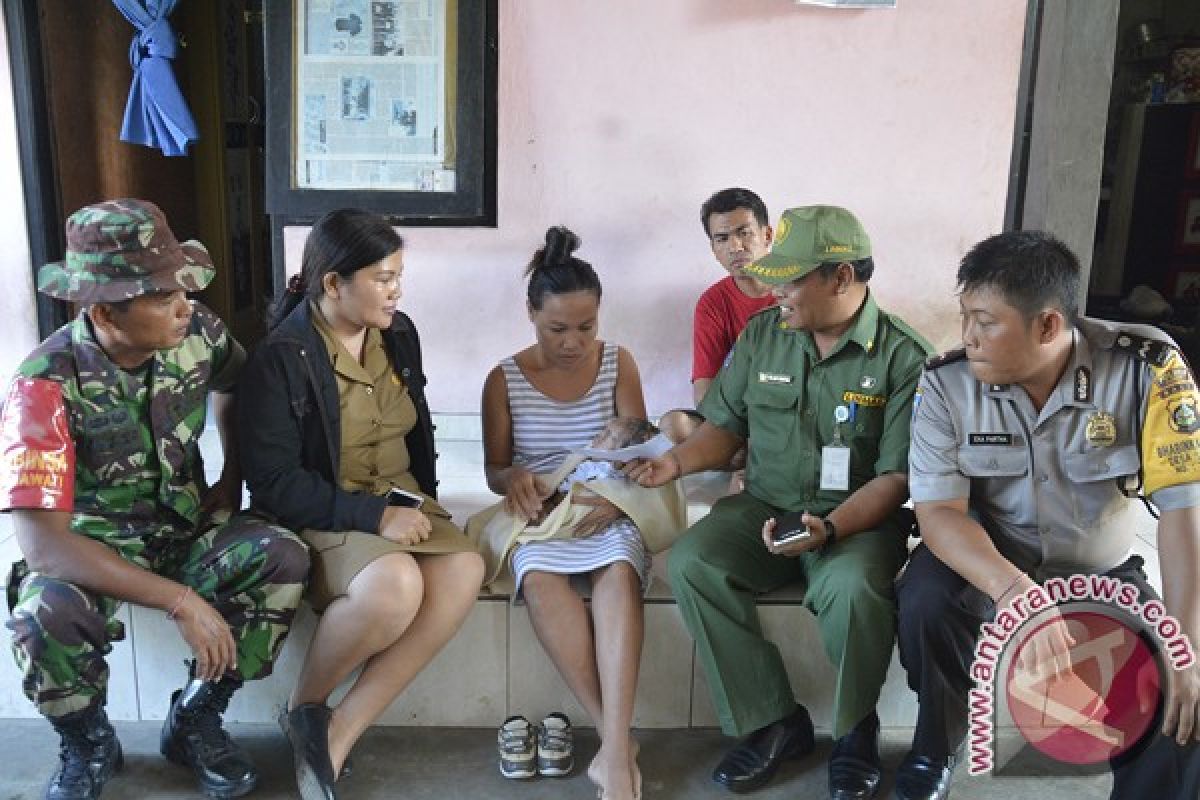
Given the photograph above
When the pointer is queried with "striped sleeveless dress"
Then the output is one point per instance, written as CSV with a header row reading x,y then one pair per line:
x,y
545,431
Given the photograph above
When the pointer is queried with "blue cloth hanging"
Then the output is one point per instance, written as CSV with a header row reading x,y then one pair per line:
x,y
156,114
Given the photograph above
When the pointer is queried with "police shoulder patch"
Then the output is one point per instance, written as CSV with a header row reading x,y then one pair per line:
x,y
1152,351
948,357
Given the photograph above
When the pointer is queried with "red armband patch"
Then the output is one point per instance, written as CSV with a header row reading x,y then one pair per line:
x,y
37,455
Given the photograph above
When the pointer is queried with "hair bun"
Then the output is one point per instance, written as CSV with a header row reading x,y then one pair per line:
x,y
561,242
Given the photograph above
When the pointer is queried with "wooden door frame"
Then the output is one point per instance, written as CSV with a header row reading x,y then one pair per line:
x,y
35,148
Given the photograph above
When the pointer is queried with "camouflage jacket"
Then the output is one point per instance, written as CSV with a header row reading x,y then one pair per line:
x,y
80,434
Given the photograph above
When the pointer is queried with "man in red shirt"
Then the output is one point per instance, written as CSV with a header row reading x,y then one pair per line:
x,y
739,234
736,223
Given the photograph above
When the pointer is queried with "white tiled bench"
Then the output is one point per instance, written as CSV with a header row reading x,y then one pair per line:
x,y
494,666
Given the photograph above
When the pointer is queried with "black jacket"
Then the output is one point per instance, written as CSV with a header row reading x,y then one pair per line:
x,y
289,427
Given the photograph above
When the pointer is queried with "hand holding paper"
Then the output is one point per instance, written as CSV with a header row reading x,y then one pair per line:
x,y
652,448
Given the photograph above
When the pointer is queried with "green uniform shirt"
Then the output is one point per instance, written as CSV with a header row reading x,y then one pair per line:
x,y
776,390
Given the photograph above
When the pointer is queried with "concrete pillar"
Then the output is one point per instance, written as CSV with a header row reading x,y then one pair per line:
x,y
1070,110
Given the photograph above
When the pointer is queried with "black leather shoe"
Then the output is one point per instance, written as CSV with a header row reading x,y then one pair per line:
x,y
753,762
307,730
854,766
193,736
88,756
923,778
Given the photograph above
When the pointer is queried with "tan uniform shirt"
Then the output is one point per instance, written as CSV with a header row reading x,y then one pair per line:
x,y
376,412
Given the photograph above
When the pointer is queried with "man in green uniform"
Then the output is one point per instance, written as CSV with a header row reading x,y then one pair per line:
x,y
100,465
823,384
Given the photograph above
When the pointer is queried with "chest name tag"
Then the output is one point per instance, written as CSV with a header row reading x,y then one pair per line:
x,y
864,400
773,377
989,439
835,468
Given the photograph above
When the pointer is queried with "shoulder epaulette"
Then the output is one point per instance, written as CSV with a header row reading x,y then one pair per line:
x,y
948,357
908,330
1153,351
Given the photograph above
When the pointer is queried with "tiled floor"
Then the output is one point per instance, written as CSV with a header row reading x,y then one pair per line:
x,y
459,764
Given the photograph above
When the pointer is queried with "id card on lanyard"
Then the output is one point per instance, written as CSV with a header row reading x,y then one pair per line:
x,y
835,456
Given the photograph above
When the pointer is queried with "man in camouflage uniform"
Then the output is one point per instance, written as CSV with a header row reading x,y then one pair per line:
x,y
100,465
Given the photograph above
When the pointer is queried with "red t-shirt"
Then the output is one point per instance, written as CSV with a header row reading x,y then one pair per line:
x,y
721,313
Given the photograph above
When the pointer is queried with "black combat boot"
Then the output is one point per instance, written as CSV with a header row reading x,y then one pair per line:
x,y
192,736
89,754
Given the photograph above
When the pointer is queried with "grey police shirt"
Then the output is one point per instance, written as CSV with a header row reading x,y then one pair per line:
x,y
1055,489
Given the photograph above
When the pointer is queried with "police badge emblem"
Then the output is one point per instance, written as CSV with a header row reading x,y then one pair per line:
x,y
1101,429
1184,417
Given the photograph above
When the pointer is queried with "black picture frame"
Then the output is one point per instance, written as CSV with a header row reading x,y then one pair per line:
x,y
473,201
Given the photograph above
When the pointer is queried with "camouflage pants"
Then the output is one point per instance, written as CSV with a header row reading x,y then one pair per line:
x,y
251,572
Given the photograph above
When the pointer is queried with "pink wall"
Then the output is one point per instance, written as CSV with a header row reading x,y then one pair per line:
x,y
617,118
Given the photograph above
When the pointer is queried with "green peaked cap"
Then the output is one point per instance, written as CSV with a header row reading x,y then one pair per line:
x,y
808,237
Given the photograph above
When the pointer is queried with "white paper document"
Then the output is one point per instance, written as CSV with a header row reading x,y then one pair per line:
x,y
652,448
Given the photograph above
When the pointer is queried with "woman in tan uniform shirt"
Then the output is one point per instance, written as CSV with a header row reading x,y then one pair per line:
x,y
333,417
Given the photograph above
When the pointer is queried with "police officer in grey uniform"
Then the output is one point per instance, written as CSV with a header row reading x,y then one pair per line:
x,y
1027,448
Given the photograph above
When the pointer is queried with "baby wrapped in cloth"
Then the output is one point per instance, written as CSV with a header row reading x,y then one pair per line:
x,y
660,514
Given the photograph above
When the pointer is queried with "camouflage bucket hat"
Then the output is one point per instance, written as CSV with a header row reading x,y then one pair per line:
x,y
120,249
808,237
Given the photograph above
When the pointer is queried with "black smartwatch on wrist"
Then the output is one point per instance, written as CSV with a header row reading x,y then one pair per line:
x,y
830,536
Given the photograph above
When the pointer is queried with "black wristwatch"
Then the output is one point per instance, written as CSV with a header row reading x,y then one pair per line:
x,y
830,536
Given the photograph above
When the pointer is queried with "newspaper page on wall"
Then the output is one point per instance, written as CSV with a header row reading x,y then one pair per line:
x,y
370,102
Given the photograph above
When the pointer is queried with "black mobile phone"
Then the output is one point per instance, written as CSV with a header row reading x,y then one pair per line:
x,y
789,528
399,497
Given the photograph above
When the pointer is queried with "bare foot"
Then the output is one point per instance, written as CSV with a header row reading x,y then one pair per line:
x,y
612,773
339,748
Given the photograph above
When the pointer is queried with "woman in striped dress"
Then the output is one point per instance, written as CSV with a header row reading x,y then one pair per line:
x,y
539,405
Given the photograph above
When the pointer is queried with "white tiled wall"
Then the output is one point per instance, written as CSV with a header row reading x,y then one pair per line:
x,y
465,684
794,630
664,683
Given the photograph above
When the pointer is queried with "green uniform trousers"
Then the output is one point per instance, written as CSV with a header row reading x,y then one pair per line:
x,y
251,572
718,567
